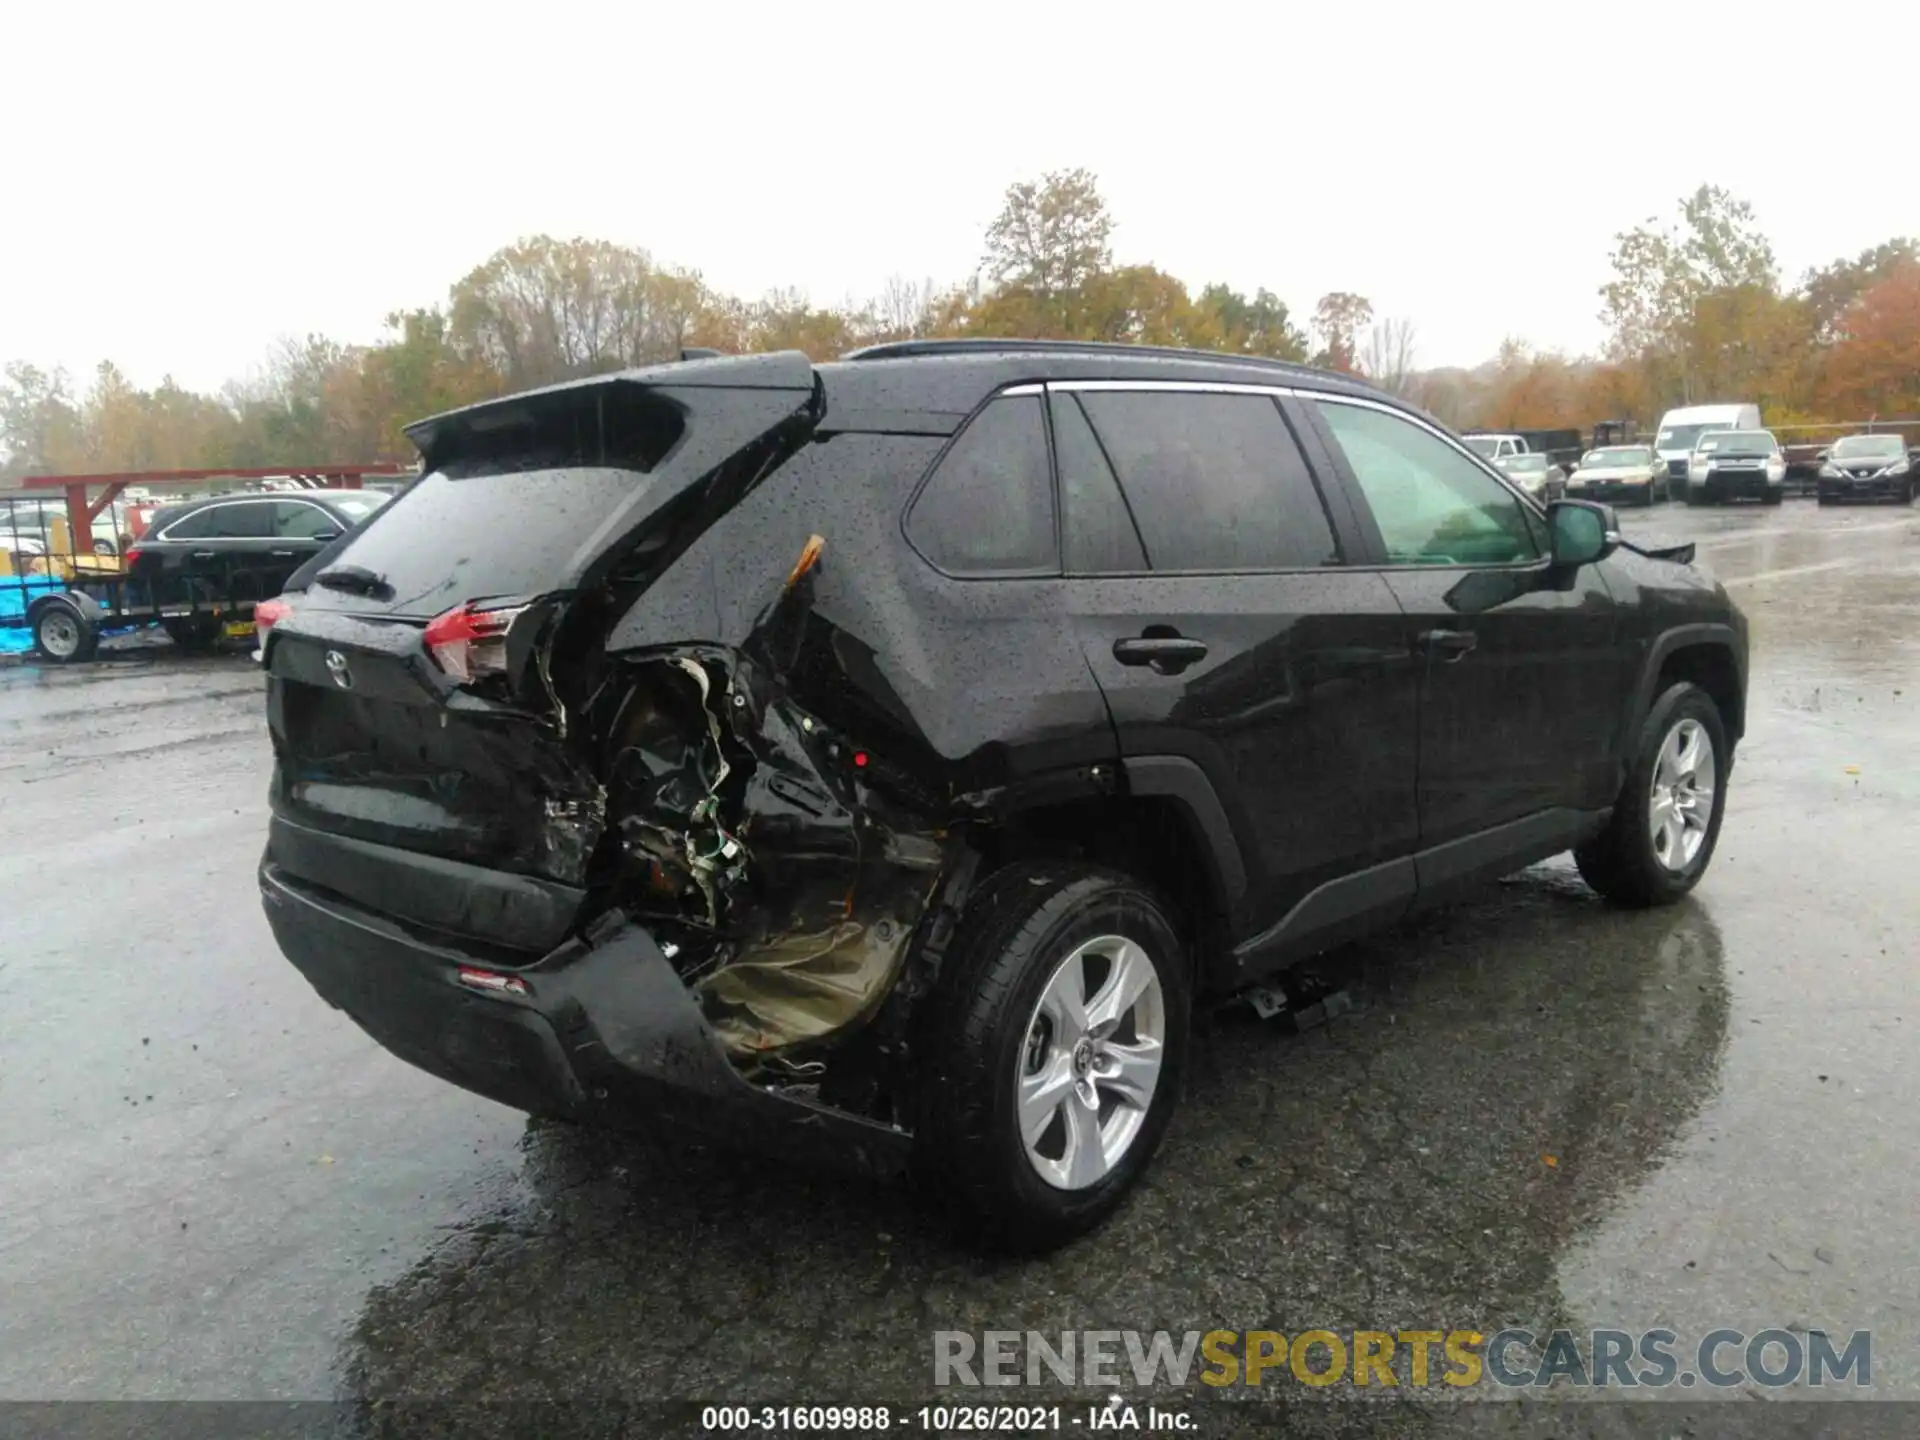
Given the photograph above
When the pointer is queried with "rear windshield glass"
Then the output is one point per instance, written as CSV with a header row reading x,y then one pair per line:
x,y
1632,455
1525,464
1482,445
512,533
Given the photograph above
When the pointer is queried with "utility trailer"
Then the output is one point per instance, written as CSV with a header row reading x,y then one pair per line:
x,y
66,595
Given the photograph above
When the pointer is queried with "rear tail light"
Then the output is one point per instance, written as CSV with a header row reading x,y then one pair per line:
x,y
466,642
133,554
266,615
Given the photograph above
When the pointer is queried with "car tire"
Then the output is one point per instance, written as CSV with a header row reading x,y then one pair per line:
x,y
1775,494
1821,497
65,634
1631,862
1035,936
1695,497
104,547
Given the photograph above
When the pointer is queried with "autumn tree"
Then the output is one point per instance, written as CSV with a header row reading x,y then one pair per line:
x,y
1338,320
41,429
1674,287
1831,290
1051,236
1874,369
544,310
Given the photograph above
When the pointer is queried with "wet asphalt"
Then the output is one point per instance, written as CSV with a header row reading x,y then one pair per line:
x,y
1539,1111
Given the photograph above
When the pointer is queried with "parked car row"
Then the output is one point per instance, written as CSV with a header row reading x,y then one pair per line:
x,y
1741,464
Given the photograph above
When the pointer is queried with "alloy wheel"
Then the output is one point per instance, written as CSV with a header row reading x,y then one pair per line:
x,y
1090,1062
1680,807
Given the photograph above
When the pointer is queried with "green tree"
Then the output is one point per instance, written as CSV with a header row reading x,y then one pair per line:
x,y
1260,326
1051,236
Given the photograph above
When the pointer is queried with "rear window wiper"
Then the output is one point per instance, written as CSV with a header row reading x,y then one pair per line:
x,y
354,579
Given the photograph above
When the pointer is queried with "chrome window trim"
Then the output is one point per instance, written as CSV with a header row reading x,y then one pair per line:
x,y
1215,387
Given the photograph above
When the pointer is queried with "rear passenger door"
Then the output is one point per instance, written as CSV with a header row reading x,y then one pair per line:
x,y
236,556
1207,579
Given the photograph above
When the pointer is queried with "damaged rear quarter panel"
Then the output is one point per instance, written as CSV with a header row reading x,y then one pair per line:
x,y
941,688
969,684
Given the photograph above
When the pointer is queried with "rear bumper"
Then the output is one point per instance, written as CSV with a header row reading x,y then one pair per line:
x,y
606,1032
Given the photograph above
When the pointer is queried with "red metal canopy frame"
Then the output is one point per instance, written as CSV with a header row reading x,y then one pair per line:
x,y
81,512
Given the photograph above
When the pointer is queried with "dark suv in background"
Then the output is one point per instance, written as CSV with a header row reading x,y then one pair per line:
x,y
238,548
895,750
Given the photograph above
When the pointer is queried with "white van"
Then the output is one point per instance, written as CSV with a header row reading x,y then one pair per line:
x,y
1680,431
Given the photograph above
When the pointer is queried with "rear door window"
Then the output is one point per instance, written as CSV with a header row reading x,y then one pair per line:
x,y
191,527
988,507
1097,533
1215,482
242,520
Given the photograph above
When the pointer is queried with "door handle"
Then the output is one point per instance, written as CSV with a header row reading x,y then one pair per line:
x,y
203,554
1167,654
283,554
1452,644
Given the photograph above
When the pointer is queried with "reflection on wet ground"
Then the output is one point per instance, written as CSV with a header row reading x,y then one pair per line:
x,y
1540,1111
1422,1158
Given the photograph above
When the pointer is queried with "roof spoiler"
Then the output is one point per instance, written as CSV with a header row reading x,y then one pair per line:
x,y
584,406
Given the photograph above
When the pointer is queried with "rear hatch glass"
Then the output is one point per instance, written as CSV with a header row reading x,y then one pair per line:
x,y
373,740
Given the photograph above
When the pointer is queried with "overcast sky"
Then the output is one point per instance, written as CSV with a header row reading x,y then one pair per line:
x,y
188,182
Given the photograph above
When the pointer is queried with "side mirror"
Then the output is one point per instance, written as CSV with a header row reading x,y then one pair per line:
x,y
1583,532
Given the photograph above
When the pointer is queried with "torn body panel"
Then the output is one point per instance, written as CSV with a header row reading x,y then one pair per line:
x,y
790,892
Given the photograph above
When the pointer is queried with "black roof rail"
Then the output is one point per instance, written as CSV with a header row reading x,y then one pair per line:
x,y
910,349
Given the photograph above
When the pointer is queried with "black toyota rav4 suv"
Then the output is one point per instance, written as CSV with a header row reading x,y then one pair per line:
x,y
889,754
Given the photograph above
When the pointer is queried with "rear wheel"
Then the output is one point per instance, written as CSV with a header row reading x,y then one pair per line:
x,y
63,634
1667,819
1775,494
1056,1042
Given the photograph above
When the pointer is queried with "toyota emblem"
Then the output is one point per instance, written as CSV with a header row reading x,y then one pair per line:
x,y
337,667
